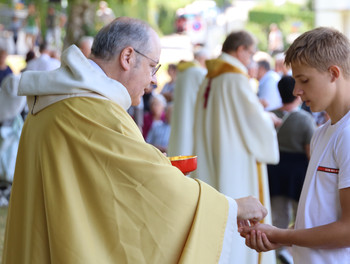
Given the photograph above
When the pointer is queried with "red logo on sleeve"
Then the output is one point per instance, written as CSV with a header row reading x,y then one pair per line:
x,y
329,170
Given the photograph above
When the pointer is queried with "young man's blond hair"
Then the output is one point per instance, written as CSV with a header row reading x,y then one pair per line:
x,y
320,48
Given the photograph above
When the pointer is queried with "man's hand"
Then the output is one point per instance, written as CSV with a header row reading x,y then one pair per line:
x,y
264,102
275,119
249,208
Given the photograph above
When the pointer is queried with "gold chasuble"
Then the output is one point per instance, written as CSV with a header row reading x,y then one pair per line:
x,y
95,192
88,189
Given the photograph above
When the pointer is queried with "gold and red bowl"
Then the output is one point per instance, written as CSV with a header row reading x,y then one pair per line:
x,y
186,164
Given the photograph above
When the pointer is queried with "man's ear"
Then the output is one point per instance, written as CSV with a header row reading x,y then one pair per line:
x,y
237,53
334,70
240,48
127,58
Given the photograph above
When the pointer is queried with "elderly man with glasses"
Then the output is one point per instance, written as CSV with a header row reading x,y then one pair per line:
x,y
88,188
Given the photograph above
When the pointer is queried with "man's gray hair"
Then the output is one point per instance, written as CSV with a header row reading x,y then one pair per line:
x,y
119,34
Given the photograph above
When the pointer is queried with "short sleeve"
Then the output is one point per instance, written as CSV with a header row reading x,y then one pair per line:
x,y
342,156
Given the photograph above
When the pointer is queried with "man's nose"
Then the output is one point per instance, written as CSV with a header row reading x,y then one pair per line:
x,y
154,80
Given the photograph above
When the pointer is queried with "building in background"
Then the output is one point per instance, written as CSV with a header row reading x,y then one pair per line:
x,y
333,14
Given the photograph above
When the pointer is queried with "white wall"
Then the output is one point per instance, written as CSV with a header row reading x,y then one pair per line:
x,y
334,13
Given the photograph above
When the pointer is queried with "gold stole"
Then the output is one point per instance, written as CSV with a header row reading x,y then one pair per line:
x,y
217,67
184,65
261,194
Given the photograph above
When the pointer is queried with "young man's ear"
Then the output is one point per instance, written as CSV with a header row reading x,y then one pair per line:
x,y
127,58
334,71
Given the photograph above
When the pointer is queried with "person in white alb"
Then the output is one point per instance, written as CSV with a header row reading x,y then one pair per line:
x,y
44,62
190,75
233,136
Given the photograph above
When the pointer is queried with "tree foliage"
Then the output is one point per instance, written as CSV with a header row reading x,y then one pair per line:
x,y
81,14
289,17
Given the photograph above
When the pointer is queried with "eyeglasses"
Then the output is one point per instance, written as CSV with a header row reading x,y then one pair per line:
x,y
156,68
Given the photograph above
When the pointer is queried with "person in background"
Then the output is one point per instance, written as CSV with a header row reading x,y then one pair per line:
x,y
159,133
31,26
4,68
44,62
157,113
11,122
168,89
190,75
52,36
320,61
233,136
253,75
30,55
85,44
280,67
268,90
276,43
142,110
88,188
55,54
14,27
104,14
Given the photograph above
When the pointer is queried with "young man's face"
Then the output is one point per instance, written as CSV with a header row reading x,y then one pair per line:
x,y
317,89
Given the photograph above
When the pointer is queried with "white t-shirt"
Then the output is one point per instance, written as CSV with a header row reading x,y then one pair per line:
x,y
328,171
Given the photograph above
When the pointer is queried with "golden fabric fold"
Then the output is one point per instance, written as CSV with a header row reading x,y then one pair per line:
x,y
88,189
217,67
184,65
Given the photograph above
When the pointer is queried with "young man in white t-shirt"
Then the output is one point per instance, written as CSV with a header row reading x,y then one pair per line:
x,y
320,60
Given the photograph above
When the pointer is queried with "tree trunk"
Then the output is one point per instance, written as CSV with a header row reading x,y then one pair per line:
x,y
81,21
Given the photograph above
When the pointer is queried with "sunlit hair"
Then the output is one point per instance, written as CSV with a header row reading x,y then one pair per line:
x,y
320,48
119,34
237,39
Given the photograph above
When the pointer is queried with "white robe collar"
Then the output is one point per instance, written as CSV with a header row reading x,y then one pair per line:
x,y
75,77
233,61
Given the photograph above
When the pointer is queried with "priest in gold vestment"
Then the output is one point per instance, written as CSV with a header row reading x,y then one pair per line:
x,y
88,189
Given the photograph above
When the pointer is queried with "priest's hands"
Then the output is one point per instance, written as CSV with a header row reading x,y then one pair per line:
x,y
249,208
